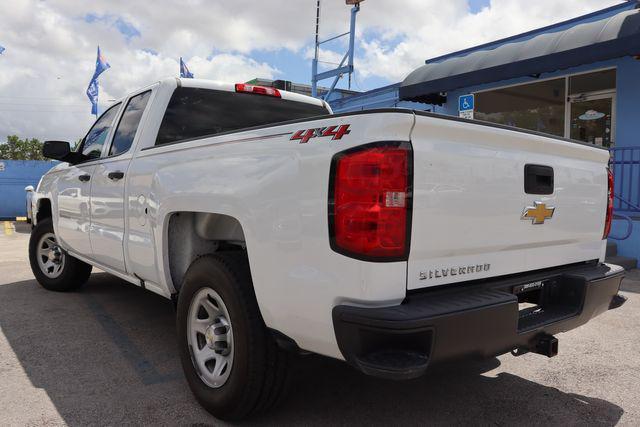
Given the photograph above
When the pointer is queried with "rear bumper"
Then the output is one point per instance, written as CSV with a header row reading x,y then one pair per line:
x,y
476,320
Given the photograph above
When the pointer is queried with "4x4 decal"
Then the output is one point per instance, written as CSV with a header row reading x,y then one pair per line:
x,y
336,132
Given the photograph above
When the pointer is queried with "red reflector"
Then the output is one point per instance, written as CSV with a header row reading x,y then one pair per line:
x,y
260,90
609,217
370,202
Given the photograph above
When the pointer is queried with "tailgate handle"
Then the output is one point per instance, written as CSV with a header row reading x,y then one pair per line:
x,y
538,179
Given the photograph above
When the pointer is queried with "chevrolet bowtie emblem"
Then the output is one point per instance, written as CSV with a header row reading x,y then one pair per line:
x,y
538,213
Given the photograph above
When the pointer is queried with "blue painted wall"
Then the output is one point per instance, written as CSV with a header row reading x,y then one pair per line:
x,y
628,103
18,174
629,247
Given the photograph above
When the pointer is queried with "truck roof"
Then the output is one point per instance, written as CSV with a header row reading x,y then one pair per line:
x,y
230,87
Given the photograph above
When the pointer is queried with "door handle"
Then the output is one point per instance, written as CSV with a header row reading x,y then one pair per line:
x,y
116,175
84,178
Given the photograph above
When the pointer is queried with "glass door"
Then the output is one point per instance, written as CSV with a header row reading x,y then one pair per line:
x,y
592,119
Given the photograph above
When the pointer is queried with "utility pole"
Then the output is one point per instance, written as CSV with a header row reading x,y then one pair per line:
x,y
314,66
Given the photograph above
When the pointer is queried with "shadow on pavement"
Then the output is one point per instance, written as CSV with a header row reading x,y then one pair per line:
x,y
327,392
107,355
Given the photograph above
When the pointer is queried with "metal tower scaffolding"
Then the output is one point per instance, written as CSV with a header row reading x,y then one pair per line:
x,y
342,69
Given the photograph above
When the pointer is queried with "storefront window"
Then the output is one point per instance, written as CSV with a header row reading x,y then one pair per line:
x,y
536,106
543,106
592,82
591,121
591,106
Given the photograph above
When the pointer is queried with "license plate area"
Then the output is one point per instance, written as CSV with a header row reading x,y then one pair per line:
x,y
547,301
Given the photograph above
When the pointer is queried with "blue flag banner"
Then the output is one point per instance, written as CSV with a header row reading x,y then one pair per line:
x,y
1,49
92,91
184,70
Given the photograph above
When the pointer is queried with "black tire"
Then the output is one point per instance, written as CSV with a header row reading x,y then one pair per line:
x,y
74,272
258,375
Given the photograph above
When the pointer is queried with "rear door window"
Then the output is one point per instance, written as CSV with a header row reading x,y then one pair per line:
x,y
194,113
128,126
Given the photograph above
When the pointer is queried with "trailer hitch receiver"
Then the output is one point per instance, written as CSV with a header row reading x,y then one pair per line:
x,y
547,345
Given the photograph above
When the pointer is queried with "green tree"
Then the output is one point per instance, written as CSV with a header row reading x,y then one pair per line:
x,y
21,149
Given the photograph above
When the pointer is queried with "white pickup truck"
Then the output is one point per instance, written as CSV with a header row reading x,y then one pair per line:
x,y
392,239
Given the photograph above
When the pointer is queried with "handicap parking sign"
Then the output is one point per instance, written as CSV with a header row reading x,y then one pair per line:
x,y
466,106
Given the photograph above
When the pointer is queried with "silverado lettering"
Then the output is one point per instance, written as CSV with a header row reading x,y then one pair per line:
x,y
454,271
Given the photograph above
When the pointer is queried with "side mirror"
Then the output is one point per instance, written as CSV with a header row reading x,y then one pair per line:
x,y
58,150
29,188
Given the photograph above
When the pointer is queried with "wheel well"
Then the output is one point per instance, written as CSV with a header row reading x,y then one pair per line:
x,y
44,209
193,234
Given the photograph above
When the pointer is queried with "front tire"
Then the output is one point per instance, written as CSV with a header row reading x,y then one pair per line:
x,y
230,359
53,268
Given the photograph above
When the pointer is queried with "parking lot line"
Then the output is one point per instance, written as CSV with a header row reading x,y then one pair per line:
x,y
143,367
8,228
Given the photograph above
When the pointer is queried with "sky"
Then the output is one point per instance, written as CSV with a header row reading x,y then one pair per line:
x,y
51,45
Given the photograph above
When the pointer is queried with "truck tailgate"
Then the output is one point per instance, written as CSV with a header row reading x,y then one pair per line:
x,y
469,198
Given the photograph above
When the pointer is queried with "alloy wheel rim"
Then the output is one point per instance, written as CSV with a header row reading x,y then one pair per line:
x,y
51,258
210,337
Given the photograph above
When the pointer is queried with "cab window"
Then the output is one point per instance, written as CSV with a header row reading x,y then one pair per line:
x,y
128,126
196,113
97,136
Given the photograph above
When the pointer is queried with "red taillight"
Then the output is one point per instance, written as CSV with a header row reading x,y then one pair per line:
x,y
369,202
609,218
260,90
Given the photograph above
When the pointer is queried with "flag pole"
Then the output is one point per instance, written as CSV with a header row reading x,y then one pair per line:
x,y
97,88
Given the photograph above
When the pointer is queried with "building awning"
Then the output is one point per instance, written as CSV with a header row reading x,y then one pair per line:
x,y
587,43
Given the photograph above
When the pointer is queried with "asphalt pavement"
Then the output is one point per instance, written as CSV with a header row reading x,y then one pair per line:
x,y
106,355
